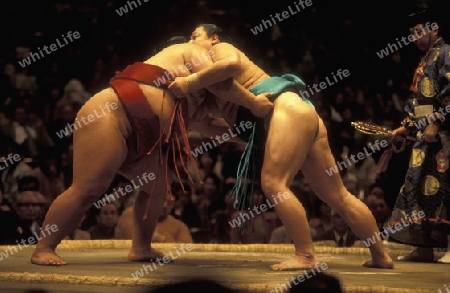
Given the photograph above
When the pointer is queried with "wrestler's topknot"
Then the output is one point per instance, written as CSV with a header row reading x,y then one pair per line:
x,y
177,40
211,29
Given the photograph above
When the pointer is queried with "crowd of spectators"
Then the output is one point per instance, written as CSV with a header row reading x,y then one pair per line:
x,y
38,101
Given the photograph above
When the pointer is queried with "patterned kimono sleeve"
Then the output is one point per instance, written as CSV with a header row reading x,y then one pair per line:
x,y
444,94
409,111
444,77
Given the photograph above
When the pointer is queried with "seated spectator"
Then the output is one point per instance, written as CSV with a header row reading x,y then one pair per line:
x,y
210,200
10,176
3,203
339,233
50,176
219,232
78,233
316,226
351,183
379,209
43,208
23,135
272,221
186,167
21,222
28,183
89,217
231,155
363,171
168,229
206,165
322,221
67,165
280,236
59,128
117,192
106,218
43,140
184,209
377,190
222,220
25,81
75,92
125,224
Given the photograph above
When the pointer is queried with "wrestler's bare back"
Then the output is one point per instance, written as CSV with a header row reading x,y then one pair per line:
x,y
180,60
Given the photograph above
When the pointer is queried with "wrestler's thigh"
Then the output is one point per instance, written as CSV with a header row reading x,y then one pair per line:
x,y
99,149
319,160
291,132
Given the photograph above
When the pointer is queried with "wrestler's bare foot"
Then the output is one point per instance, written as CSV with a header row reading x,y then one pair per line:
x,y
46,257
145,255
385,262
295,263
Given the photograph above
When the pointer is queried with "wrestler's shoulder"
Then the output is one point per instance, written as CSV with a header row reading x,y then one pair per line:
x,y
225,46
185,46
186,49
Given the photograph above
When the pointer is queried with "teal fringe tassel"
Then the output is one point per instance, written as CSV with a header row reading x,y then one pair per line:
x,y
243,197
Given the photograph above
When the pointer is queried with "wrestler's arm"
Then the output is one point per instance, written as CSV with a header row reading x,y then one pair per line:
x,y
445,75
218,78
227,64
232,91
219,81
213,126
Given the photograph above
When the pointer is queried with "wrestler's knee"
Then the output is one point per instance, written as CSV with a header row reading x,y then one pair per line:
x,y
271,185
322,133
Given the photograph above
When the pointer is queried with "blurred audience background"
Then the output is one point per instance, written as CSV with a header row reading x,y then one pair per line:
x,y
40,100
